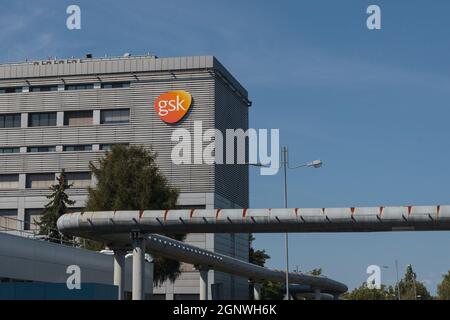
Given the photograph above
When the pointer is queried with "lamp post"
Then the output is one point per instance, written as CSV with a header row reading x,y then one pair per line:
x,y
285,165
398,283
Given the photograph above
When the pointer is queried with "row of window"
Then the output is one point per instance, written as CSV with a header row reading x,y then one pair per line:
x,y
45,149
69,87
79,180
71,118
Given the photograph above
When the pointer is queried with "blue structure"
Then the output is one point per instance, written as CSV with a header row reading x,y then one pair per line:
x,y
56,291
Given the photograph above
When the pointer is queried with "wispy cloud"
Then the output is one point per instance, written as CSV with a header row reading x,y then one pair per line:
x,y
24,24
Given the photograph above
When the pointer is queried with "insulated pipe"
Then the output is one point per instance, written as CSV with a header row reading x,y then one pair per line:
x,y
374,219
166,247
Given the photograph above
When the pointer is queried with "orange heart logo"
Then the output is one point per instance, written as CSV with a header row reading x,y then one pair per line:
x,y
173,106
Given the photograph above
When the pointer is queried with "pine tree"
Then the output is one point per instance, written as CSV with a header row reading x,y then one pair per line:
x,y
411,289
129,179
59,202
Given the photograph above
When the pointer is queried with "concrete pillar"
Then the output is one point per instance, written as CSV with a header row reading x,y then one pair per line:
x,y
138,266
317,294
204,284
257,291
24,120
60,119
119,272
22,181
96,117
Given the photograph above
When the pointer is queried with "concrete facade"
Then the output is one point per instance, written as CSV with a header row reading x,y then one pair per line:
x,y
102,88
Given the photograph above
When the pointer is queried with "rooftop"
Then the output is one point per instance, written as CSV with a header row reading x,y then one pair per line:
x,y
89,65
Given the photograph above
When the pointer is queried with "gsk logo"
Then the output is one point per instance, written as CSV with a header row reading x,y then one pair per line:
x,y
173,106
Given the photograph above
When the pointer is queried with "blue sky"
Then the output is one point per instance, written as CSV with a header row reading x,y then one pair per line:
x,y
372,104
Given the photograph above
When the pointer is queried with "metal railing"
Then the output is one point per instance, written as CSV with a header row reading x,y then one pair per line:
x,y
30,230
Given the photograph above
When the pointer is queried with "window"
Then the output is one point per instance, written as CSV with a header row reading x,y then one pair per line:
x,y
80,180
106,147
43,88
40,180
32,218
42,119
9,181
9,150
10,120
116,116
109,147
78,118
8,219
81,147
115,85
11,90
41,149
79,86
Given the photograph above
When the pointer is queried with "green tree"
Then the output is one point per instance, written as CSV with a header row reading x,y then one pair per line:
x,y
444,288
410,288
269,290
316,272
129,179
258,257
59,202
272,291
365,293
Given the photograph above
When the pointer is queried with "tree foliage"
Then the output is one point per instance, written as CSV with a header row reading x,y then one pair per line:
x,y
316,272
365,293
269,290
411,289
129,179
258,257
59,202
443,289
408,285
272,291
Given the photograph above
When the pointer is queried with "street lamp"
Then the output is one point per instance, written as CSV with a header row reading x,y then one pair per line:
x,y
398,283
285,164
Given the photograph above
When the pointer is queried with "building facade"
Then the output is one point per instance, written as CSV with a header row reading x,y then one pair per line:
x,y
63,114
